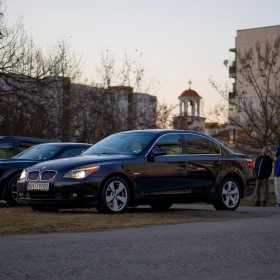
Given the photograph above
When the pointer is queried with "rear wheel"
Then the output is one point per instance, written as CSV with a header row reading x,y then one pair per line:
x,y
161,206
11,194
115,196
229,195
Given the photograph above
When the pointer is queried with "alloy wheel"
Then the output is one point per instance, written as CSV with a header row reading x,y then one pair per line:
x,y
13,190
230,194
116,196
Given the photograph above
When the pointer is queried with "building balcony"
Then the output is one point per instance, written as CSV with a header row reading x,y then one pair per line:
x,y
234,87
232,95
232,70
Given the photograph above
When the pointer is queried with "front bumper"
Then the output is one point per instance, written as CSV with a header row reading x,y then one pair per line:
x,y
62,194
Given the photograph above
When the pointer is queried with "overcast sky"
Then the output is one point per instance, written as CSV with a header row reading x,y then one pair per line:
x,y
180,40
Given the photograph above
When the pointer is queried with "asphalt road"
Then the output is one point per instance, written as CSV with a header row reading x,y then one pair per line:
x,y
235,249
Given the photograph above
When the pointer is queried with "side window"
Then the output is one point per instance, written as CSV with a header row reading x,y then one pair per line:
x,y
197,144
23,146
214,148
6,150
170,142
72,152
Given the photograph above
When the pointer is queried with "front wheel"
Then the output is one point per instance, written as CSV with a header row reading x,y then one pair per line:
x,y
229,195
11,191
115,196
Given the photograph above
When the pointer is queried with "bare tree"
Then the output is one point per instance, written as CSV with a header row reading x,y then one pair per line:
x,y
125,92
119,102
58,93
36,84
26,71
88,113
185,122
1,18
164,112
254,108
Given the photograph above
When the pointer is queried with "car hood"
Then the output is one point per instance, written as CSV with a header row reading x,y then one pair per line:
x,y
76,162
13,162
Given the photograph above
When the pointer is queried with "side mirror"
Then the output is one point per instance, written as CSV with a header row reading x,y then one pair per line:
x,y
158,152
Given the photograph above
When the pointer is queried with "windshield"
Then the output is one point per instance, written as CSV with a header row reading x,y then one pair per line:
x,y
122,143
38,152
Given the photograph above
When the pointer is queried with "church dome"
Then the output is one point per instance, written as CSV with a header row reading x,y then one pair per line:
x,y
189,93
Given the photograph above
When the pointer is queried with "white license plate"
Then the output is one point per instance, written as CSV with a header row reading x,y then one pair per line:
x,y
38,186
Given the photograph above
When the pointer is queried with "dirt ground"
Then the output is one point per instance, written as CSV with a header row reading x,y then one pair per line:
x,y
23,220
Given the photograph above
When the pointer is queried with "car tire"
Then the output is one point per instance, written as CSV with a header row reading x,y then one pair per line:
x,y
161,206
11,191
43,208
115,196
229,195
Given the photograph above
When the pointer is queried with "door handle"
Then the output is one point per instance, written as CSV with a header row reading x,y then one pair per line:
x,y
216,163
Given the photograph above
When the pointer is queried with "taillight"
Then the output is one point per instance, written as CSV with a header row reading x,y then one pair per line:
x,y
250,163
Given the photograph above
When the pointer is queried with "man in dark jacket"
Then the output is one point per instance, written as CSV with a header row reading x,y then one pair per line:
x,y
277,177
263,169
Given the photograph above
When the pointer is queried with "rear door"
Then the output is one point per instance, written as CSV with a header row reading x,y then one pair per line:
x,y
204,162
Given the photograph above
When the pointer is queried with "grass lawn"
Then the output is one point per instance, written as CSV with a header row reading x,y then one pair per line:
x,y
250,201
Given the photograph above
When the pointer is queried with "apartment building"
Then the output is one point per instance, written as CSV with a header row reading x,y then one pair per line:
x,y
248,87
75,112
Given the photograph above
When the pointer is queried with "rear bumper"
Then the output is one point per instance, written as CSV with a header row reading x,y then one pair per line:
x,y
250,187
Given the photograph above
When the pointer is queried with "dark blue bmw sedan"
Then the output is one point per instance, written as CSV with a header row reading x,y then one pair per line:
x,y
141,167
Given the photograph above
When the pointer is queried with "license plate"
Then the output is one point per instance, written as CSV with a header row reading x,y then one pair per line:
x,y
38,186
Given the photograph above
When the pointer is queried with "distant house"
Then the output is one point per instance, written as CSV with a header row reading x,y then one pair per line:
x,y
218,131
222,136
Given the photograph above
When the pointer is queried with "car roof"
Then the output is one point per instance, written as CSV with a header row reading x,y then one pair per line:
x,y
23,138
64,144
162,131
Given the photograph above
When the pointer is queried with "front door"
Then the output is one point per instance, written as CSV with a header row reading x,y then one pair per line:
x,y
166,174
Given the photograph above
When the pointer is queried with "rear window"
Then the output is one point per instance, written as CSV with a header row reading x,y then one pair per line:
x,y
6,150
197,144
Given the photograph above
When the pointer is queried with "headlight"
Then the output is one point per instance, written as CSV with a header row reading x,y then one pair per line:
x,y
23,174
81,173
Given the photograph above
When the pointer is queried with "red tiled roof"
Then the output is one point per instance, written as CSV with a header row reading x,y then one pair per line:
x,y
223,133
190,93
